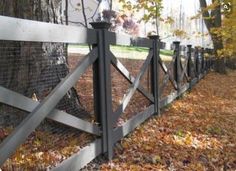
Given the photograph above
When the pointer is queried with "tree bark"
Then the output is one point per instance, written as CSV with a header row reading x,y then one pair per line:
x,y
35,68
24,61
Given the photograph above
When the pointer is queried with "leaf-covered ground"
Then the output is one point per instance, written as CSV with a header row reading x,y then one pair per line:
x,y
196,132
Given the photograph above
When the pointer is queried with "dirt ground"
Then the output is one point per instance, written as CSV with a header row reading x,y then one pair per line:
x,y
196,132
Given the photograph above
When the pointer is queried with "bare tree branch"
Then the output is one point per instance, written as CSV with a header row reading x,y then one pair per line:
x,y
66,12
92,17
84,15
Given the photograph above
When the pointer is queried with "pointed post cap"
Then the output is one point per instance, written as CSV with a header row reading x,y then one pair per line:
x,y
154,37
176,42
101,25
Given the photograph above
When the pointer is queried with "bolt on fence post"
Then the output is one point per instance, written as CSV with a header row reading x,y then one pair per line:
x,y
102,86
155,72
176,70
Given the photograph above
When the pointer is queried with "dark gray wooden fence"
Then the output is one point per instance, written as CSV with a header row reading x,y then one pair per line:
x,y
187,63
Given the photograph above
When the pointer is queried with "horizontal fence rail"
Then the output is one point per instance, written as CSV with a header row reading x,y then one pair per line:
x,y
187,66
26,30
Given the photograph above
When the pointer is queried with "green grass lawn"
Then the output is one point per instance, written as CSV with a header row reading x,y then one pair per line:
x,y
124,51
128,49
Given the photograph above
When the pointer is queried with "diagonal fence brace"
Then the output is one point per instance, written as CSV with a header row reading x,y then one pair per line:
x,y
19,101
28,125
132,89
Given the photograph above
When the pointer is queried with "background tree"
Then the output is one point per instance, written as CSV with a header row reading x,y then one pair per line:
x,y
152,10
121,22
221,29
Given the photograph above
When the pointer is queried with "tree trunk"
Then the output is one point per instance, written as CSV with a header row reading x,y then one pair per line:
x,y
34,69
220,65
24,61
215,22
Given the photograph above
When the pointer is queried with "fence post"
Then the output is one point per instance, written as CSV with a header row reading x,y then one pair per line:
x,y
155,72
199,62
210,56
189,65
203,61
213,59
196,62
176,70
189,50
207,59
102,86
208,64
